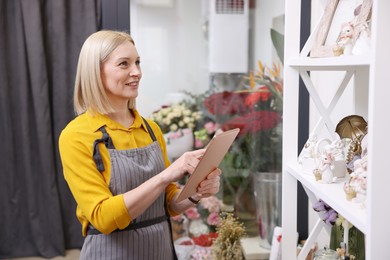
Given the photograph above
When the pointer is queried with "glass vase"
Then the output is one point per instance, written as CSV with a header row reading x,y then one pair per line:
x,y
245,205
268,197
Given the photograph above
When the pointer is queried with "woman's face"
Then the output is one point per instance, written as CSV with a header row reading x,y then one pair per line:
x,y
121,73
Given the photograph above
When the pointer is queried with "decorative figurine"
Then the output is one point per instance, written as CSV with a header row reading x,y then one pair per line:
x,y
327,168
308,155
344,42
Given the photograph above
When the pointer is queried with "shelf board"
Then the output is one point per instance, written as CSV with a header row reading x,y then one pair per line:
x,y
330,63
333,194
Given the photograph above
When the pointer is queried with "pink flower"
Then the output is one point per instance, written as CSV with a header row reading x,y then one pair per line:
x,y
214,219
192,213
212,204
175,135
211,127
198,143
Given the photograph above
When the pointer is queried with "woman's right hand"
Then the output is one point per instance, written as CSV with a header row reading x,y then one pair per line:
x,y
185,164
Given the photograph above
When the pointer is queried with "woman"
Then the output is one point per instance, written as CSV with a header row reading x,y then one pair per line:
x,y
115,161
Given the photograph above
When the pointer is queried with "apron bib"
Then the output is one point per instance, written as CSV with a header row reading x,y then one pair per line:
x,y
149,235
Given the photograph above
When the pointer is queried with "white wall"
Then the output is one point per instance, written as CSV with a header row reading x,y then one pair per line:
x,y
265,12
173,51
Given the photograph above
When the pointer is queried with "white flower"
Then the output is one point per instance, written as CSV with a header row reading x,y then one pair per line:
x,y
176,116
196,115
187,112
197,228
177,111
173,127
164,111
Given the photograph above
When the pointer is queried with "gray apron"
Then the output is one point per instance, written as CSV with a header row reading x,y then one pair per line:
x,y
149,235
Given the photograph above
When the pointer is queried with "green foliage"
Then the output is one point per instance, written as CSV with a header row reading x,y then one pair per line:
x,y
278,42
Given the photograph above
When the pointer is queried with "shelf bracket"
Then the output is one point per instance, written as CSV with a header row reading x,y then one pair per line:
x,y
325,112
311,239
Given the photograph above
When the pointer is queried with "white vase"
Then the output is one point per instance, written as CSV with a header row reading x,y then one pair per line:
x,y
176,146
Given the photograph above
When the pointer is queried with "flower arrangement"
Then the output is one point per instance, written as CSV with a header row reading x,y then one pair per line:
x,y
211,233
176,116
255,108
178,121
203,218
200,224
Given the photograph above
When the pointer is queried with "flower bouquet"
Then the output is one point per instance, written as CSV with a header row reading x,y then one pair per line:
x,y
177,122
198,228
256,108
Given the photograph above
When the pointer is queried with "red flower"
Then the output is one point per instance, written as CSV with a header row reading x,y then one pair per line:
x,y
262,95
253,121
205,239
226,103
186,243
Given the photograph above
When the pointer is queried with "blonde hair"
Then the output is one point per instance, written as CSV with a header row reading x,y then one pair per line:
x,y
89,93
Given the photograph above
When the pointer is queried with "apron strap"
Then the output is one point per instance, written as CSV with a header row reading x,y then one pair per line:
x,y
106,139
150,130
132,226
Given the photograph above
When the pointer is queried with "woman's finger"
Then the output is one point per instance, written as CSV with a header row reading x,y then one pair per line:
x,y
216,172
197,153
209,186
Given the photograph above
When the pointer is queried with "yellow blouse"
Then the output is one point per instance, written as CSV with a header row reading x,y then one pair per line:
x,y
95,202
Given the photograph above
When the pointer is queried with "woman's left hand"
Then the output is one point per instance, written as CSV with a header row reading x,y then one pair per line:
x,y
209,186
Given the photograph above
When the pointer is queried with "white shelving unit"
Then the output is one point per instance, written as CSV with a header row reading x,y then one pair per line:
x,y
372,100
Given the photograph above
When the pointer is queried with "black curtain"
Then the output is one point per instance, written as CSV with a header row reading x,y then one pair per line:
x,y
39,45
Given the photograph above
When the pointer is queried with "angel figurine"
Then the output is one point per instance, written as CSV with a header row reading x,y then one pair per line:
x,y
345,38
